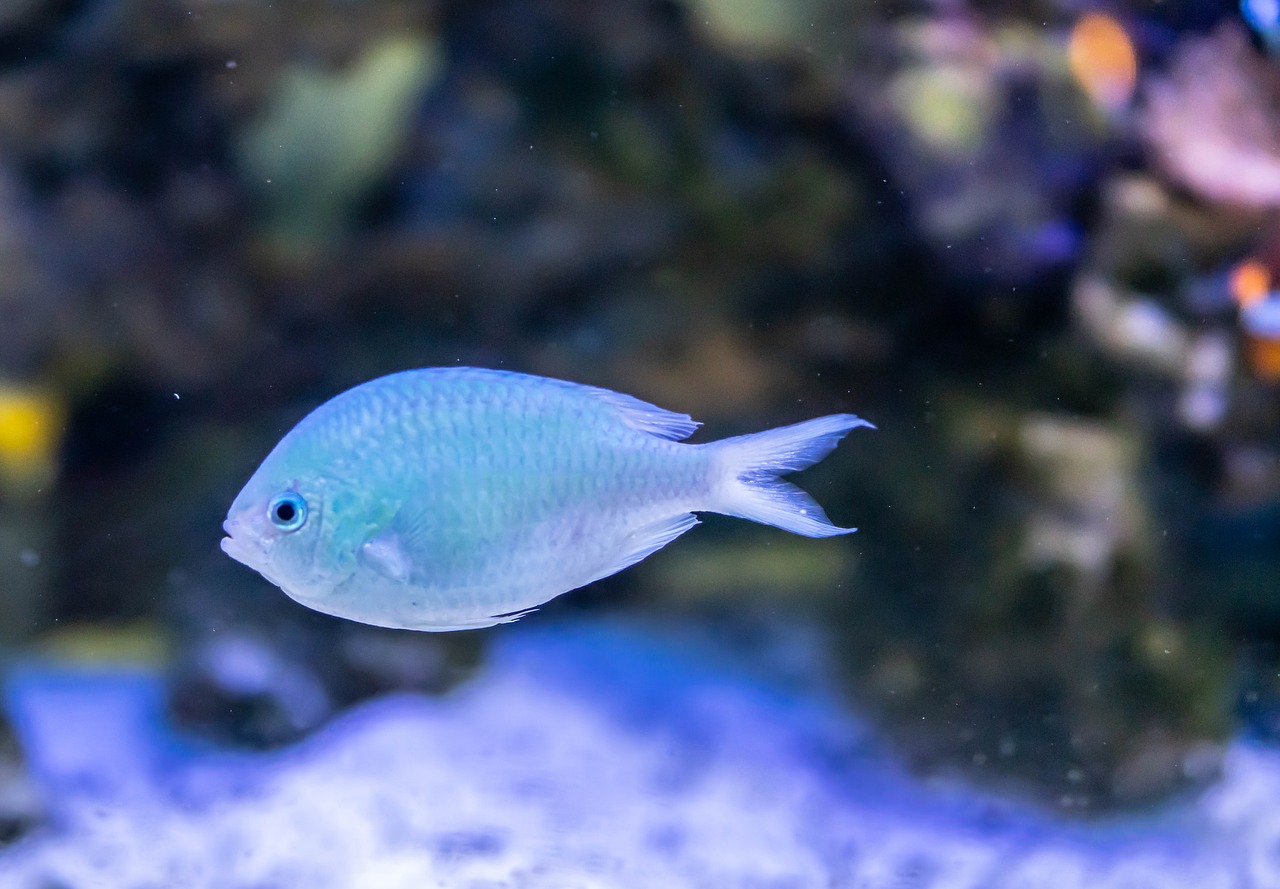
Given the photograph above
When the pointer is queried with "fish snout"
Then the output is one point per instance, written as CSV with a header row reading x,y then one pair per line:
x,y
241,544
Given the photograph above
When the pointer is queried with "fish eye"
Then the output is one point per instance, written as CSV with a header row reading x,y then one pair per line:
x,y
288,511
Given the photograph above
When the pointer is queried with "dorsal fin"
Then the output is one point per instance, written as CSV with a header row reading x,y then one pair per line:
x,y
644,417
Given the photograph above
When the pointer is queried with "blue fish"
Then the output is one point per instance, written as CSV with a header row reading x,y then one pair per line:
x,y
456,498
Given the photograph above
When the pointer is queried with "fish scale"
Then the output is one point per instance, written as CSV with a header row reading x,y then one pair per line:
x,y
456,498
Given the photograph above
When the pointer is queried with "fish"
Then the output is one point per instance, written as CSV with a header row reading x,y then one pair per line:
x,y
453,498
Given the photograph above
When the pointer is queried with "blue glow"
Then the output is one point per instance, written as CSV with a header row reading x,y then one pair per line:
x,y
1263,317
1262,15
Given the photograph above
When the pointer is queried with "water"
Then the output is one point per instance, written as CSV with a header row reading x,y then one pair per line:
x,y
1035,247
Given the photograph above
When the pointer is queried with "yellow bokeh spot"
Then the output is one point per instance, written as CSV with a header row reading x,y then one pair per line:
x,y
948,108
30,430
104,644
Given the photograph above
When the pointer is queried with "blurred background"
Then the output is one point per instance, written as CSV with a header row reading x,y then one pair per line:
x,y
1035,242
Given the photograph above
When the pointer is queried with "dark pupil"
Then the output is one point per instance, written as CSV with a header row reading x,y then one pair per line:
x,y
285,512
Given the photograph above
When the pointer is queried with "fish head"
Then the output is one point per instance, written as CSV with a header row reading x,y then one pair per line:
x,y
294,527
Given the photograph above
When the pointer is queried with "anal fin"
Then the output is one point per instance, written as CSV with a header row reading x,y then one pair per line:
x,y
477,623
646,541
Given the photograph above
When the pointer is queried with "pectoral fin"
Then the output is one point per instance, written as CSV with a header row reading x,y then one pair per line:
x,y
385,555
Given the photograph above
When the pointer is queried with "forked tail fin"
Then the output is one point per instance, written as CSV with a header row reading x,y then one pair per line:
x,y
749,467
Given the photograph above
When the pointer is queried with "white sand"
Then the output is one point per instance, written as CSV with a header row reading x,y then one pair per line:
x,y
585,756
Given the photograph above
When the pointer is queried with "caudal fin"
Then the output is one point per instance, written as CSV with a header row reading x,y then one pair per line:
x,y
749,466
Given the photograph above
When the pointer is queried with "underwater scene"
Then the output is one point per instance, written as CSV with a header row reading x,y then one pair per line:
x,y
433,435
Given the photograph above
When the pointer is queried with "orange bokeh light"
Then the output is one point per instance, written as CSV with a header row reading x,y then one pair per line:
x,y
1103,60
1264,358
1250,282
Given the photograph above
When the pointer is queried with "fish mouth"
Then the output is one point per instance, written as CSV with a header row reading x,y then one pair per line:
x,y
247,549
239,549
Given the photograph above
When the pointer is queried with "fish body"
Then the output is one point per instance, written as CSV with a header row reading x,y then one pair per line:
x,y
456,498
